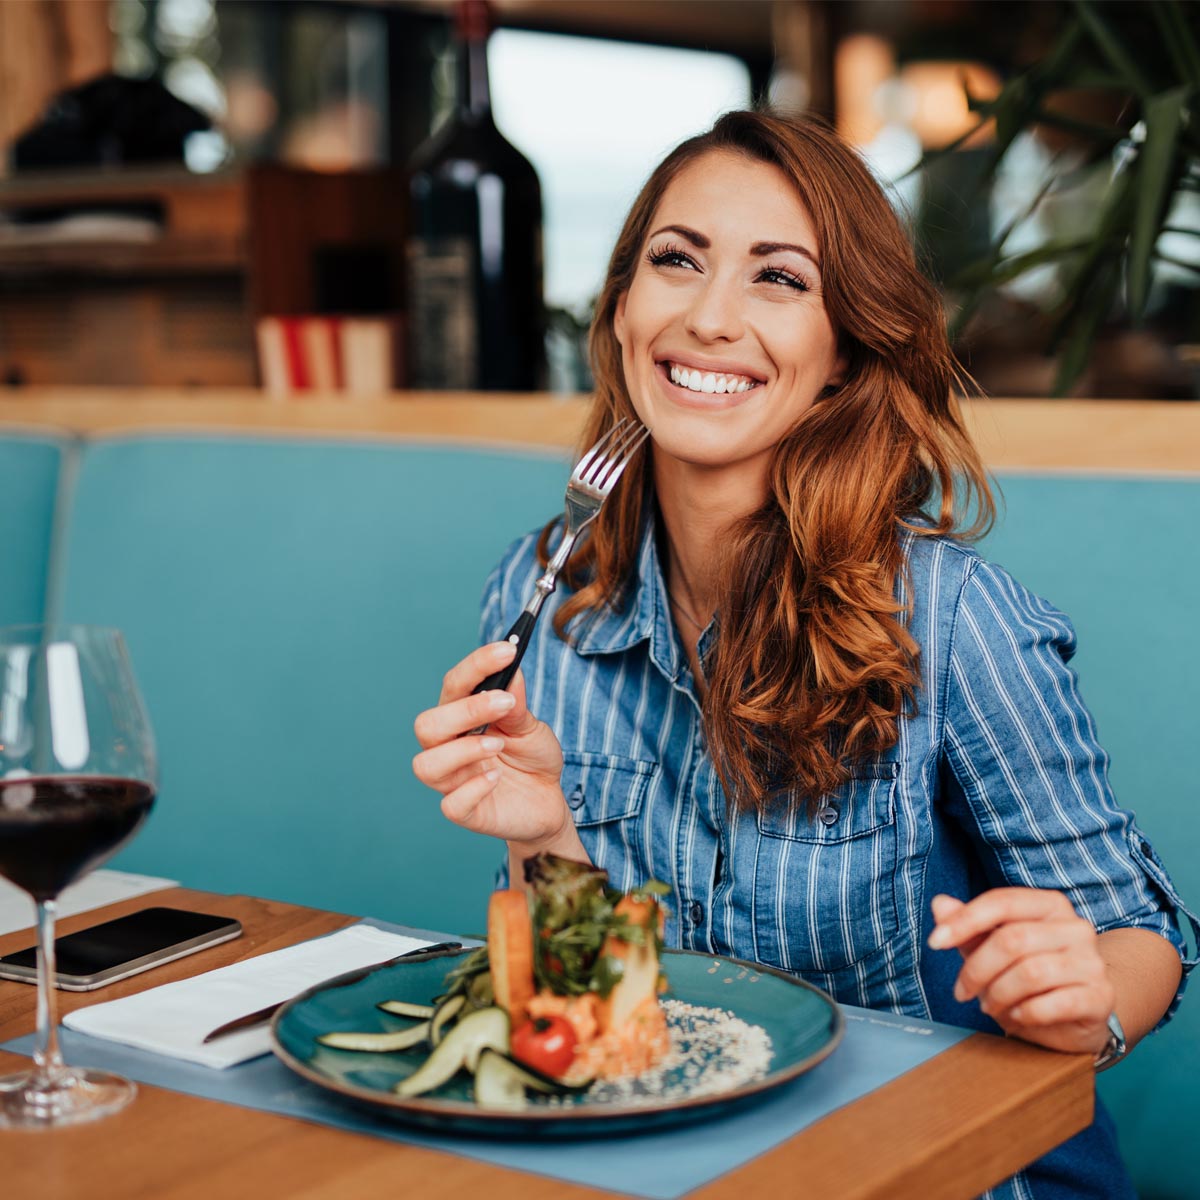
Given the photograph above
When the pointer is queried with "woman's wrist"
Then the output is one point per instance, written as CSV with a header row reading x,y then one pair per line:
x,y
564,842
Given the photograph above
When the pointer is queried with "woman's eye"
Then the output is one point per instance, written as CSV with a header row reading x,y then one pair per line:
x,y
785,277
668,257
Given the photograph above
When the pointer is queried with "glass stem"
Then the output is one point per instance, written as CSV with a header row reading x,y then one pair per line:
x,y
47,1058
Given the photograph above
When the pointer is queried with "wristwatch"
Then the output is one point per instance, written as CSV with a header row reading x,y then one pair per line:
x,y
1115,1048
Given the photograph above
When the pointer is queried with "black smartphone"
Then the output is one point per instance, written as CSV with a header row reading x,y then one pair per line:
x,y
117,949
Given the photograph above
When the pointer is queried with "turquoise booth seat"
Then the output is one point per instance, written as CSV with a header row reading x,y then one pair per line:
x,y
1121,556
292,603
30,469
290,607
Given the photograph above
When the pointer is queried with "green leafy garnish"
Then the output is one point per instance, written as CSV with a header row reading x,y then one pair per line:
x,y
573,914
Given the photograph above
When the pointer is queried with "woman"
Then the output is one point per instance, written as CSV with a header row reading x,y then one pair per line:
x,y
777,679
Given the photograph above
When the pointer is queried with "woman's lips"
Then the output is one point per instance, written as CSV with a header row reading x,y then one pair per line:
x,y
707,398
696,379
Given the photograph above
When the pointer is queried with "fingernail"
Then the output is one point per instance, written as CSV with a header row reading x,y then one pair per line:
x,y
503,701
491,776
1017,1014
960,992
505,649
492,744
940,938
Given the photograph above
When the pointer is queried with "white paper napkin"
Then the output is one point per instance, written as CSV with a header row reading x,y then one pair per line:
x,y
174,1018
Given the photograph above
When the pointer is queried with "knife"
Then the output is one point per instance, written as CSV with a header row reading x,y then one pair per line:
x,y
262,1015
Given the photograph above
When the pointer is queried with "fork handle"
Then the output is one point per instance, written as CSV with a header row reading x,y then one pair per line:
x,y
522,627
519,635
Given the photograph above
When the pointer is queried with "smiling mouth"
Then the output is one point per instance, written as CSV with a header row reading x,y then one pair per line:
x,y
718,383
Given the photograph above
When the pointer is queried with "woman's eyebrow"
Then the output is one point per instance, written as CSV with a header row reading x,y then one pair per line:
x,y
758,250
697,239
762,249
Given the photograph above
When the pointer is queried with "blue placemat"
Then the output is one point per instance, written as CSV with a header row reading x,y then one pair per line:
x,y
662,1165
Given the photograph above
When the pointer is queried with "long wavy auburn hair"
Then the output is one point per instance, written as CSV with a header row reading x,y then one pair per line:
x,y
812,665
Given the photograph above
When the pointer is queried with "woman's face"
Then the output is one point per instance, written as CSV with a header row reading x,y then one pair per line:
x,y
724,336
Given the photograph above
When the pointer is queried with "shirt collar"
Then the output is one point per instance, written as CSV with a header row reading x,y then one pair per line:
x,y
646,617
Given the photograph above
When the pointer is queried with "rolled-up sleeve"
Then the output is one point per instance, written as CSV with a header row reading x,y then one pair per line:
x,y
1032,781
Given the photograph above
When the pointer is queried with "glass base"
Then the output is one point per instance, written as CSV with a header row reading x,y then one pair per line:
x,y
78,1095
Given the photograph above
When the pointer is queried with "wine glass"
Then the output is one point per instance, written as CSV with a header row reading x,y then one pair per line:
x,y
77,777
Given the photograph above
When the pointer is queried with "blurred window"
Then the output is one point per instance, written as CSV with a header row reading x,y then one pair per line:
x,y
594,117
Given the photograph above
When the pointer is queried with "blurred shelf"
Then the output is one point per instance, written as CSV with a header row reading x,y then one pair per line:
x,y
157,277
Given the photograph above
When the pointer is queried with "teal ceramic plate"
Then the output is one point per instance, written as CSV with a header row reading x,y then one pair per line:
x,y
804,1026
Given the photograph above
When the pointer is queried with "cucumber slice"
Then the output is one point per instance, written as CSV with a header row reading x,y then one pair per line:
x,y
533,1079
448,1008
499,1083
402,1008
486,1028
377,1043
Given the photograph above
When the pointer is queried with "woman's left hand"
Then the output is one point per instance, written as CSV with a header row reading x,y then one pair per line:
x,y
1034,964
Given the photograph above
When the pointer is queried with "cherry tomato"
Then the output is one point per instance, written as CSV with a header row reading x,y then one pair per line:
x,y
546,1043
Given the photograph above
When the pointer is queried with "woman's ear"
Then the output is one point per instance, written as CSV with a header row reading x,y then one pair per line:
x,y
619,319
837,376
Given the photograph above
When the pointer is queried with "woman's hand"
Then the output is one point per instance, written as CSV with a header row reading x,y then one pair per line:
x,y
504,782
1034,964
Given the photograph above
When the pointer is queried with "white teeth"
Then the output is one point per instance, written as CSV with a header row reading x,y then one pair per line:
x,y
710,382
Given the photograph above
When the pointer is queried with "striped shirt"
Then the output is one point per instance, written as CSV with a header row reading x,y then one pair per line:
x,y
996,780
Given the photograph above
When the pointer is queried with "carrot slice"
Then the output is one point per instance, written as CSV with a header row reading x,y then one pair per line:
x,y
510,952
640,979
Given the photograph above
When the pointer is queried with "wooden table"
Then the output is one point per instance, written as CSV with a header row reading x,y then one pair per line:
x,y
945,1131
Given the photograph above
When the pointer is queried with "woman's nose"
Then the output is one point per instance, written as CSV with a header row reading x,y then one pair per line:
x,y
715,313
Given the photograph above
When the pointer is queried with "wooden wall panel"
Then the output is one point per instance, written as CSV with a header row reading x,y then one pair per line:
x,y
1135,437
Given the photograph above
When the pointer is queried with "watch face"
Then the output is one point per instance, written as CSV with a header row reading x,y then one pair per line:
x,y
1115,1049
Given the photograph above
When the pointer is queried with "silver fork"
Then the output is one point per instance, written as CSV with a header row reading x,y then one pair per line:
x,y
591,483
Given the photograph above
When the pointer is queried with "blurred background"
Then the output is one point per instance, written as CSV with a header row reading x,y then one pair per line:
x,y
238,192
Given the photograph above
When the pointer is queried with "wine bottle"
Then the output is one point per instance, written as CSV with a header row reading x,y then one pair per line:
x,y
475,242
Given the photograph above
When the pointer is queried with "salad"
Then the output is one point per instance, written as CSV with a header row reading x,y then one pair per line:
x,y
564,993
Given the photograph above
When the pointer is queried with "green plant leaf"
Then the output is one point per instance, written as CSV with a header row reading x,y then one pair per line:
x,y
1168,36
1157,165
1107,135
1089,316
1178,38
1110,44
1093,284
993,273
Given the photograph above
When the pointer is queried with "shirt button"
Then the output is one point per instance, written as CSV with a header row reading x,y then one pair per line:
x,y
575,799
696,912
827,814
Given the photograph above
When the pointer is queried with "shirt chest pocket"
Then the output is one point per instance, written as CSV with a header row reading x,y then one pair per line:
x,y
824,886
606,795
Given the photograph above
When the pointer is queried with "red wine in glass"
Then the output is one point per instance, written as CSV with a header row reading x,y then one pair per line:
x,y
53,831
77,779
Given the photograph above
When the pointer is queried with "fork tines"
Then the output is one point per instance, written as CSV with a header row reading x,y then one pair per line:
x,y
602,465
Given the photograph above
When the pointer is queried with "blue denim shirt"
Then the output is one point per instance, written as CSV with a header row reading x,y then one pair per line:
x,y
996,780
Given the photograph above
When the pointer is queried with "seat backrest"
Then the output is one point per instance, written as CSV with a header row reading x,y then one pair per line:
x,y
290,607
30,467
1121,556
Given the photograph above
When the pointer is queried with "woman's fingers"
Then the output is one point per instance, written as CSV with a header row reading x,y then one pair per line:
x,y
437,725
459,804
1039,974
996,907
464,677
447,765
1078,1005
1026,942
